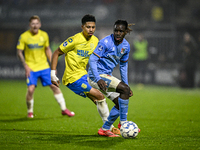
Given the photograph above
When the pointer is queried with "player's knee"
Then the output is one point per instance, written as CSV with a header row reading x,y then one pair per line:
x,y
55,89
123,89
31,91
127,89
100,96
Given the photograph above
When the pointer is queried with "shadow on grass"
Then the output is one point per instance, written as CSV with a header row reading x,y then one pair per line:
x,y
68,138
94,141
24,119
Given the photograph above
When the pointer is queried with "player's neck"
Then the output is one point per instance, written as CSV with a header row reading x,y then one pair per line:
x,y
87,37
34,33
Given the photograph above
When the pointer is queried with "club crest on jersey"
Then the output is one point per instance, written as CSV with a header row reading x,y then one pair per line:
x,y
65,44
100,48
92,46
122,51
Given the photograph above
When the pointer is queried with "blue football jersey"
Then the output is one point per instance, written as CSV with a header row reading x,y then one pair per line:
x,y
106,56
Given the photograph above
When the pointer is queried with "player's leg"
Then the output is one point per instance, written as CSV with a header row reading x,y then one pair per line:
x,y
31,83
103,110
111,96
96,96
46,81
114,84
123,100
30,100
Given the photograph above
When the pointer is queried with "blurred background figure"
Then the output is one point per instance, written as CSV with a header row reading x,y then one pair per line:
x,y
163,23
189,64
140,56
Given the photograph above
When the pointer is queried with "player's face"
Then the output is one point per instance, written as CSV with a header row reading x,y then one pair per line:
x,y
88,29
119,33
34,26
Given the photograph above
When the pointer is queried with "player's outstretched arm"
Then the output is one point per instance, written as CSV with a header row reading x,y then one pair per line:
x,y
54,63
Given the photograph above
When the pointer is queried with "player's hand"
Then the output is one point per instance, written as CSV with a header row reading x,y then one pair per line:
x,y
102,85
54,78
131,93
27,70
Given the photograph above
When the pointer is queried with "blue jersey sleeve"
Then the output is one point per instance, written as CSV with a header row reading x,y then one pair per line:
x,y
94,58
124,67
124,71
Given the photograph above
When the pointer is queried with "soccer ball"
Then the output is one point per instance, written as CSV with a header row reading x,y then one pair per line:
x,y
129,129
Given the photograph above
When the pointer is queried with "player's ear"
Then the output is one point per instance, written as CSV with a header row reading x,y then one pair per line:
x,y
126,31
40,25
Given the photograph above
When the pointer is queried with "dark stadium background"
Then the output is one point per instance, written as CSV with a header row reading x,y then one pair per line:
x,y
61,18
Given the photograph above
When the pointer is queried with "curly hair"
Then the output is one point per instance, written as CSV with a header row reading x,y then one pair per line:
x,y
125,23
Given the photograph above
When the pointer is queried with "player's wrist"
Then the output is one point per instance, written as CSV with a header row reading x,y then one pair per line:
x,y
53,76
53,72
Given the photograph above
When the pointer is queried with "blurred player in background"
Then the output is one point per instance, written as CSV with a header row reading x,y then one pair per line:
x,y
111,51
77,50
189,66
140,56
33,51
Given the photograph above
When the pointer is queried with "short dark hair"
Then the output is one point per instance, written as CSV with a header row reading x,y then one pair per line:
x,y
88,18
122,22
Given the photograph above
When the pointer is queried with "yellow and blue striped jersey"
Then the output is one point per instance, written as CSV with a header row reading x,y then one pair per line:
x,y
34,49
77,52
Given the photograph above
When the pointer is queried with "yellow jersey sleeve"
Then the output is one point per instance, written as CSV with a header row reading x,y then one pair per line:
x,y
68,45
21,43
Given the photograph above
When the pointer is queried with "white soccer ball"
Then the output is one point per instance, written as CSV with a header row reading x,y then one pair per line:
x,y
129,129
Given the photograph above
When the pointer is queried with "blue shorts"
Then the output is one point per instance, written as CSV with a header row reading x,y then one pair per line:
x,y
81,86
44,75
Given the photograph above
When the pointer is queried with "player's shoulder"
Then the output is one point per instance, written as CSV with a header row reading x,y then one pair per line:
x,y
95,38
126,43
106,40
25,33
75,37
43,32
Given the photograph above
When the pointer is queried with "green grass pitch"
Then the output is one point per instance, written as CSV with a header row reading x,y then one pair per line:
x,y
169,118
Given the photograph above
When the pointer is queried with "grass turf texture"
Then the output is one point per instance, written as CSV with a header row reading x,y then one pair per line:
x,y
169,118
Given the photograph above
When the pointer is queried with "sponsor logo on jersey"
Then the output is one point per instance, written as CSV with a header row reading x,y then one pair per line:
x,y
100,48
83,53
33,46
65,44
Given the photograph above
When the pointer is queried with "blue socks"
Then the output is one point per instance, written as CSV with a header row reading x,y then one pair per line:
x,y
114,114
123,108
